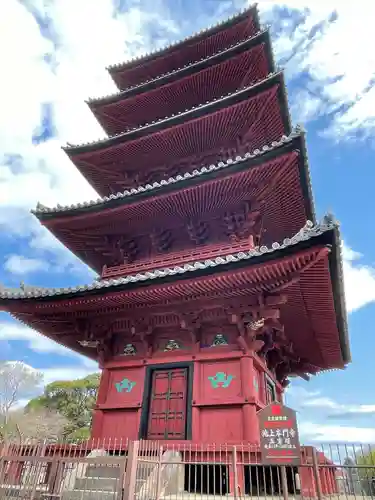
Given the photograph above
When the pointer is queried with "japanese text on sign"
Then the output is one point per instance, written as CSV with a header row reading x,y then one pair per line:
x,y
279,435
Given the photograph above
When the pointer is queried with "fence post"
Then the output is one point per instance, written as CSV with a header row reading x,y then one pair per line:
x,y
235,472
284,482
131,471
2,470
318,483
3,464
159,473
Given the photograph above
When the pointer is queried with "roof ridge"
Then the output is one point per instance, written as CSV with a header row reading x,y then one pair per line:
x,y
298,130
70,146
307,232
155,52
168,73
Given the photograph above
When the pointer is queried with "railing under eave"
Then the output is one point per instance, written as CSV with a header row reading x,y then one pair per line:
x,y
177,258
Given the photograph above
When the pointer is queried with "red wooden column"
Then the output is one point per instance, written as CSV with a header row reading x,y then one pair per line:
x,y
323,480
308,488
97,419
196,397
250,420
103,387
332,483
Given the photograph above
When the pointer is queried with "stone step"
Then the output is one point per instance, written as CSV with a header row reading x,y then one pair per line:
x,y
89,495
103,471
16,493
96,483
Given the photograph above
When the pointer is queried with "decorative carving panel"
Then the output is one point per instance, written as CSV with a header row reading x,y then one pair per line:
x,y
244,223
199,231
161,240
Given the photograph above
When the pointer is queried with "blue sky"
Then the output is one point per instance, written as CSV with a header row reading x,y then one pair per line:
x,y
53,56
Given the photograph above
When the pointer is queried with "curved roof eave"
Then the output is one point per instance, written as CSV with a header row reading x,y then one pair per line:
x,y
190,114
136,61
327,233
309,232
178,182
97,102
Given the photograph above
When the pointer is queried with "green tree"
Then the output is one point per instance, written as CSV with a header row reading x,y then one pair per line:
x,y
74,400
367,471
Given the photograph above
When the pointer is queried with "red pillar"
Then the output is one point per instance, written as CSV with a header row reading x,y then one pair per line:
x,y
250,424
103,387
97,418
323,480
196,428
97,425
249,417
307,482
332,480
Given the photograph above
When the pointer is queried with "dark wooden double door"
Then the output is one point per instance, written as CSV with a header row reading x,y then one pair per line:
x,y
168,404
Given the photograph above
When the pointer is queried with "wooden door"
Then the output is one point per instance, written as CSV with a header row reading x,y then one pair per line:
x,y
168,404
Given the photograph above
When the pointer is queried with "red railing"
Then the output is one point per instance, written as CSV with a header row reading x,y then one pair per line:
x,y
177,258
144,470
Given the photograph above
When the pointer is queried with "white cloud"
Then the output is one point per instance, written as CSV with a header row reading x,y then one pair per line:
x,y
328,403
63,372
10,331
336,433
315,399
359,280
31,173
313,432
59,373
17,264
299,393
73,70
313,408
43,251
338,70
67,373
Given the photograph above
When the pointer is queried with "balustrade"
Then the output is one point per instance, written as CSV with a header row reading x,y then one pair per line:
x,y
172,259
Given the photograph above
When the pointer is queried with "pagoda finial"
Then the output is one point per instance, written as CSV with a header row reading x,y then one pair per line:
x,y
40,206
299,128
329,219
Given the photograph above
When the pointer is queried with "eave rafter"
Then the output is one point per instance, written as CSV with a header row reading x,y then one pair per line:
x,y
167,139
307,233
262,36
200,110
98,236
264,312
243,66
243,281
296,140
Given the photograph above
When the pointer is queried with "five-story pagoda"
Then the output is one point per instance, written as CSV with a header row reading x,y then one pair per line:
x,y
216,282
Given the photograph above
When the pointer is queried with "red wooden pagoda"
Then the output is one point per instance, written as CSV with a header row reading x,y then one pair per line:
x,y
216,284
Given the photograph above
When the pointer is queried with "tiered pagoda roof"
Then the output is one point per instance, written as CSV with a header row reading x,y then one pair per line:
x,y
302,267
197,46
229,70
204,188
238,122
267,173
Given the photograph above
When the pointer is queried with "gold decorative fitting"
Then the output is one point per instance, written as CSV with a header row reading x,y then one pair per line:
x,y
172,345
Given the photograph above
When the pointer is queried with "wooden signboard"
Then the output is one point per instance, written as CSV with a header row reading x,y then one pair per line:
x,y
279,440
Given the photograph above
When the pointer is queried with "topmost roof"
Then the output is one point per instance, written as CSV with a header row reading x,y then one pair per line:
x,y
191,39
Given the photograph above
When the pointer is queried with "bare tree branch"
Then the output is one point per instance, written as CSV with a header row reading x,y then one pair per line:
x,y
38,425
17,381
